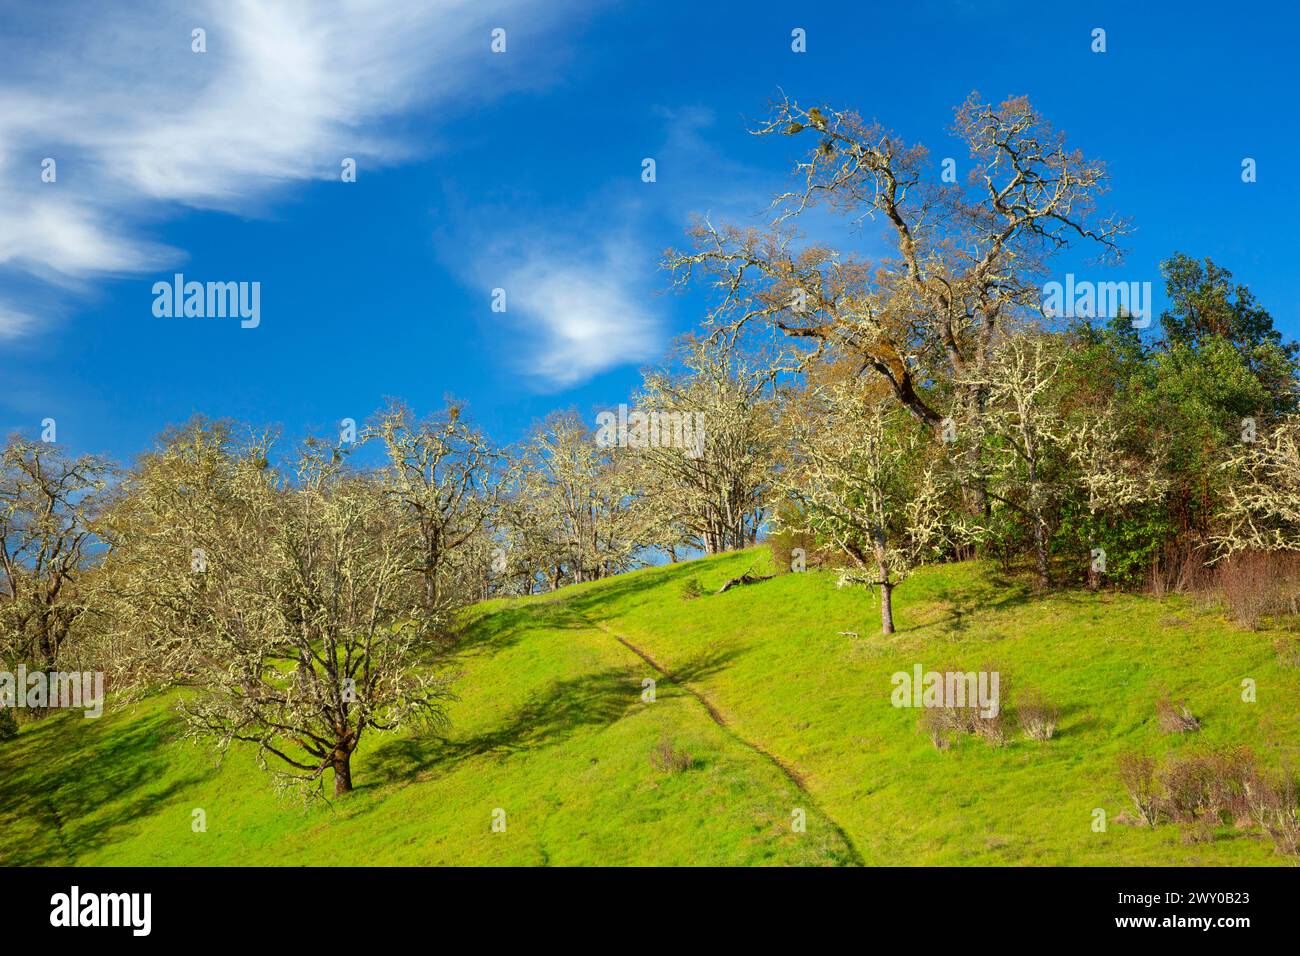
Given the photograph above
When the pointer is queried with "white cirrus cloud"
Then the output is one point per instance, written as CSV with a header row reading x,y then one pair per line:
x,y
580,313
141,126
14,323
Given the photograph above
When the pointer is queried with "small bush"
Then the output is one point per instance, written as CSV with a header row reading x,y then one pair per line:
x,y
1192,573
944,723
1037,718
1137,773
1199,831
1175,718
1180,569
666,758
1202,787
692,589
1274,806
1158,582
1205,790
1230,771
993,730
8,724
783,542
940,740
1255,585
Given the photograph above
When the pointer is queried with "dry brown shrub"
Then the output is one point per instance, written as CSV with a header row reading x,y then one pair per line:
x,y
1257,584
667,758
1175,718
1137,772
1036,716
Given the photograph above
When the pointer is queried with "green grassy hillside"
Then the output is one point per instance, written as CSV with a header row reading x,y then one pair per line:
x,y
775,707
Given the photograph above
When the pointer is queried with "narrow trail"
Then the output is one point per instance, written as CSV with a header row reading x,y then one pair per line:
x,y
789,772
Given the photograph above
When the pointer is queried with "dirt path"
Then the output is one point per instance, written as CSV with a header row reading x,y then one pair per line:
x,y
786,769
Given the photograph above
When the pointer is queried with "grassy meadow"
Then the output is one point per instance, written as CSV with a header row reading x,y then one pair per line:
x,y
771,698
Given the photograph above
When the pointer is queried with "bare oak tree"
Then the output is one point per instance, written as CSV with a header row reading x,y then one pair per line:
x,y
865,478
287,600
48,503
446,474
714,496
966,258
572,507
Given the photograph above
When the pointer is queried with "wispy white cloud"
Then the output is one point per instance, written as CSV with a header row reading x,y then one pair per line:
x,y
139,124
581,312
14,324
582,291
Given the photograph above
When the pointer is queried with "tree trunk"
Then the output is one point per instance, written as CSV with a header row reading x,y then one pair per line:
x,y
974,487
1094,576
342,772
886,604
1040,526
49,648
1040,550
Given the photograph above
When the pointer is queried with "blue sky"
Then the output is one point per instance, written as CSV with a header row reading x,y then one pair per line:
x,y
522,170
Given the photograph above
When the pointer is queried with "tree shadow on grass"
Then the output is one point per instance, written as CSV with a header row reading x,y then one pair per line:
x,y
549,717
621,587
961,605
1074,720
705,663
502,629
499,629
81,784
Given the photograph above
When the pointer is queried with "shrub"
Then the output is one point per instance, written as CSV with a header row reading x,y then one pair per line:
x,y
993,730
1181,569
1273,806
943,723
1158,582
666,758
8,723
1200,790
1175,718
692,589
783,541
1037,718
1256,584
1137,773
1206,786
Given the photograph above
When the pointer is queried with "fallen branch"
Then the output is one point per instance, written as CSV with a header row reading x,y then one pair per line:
x,y
745,578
